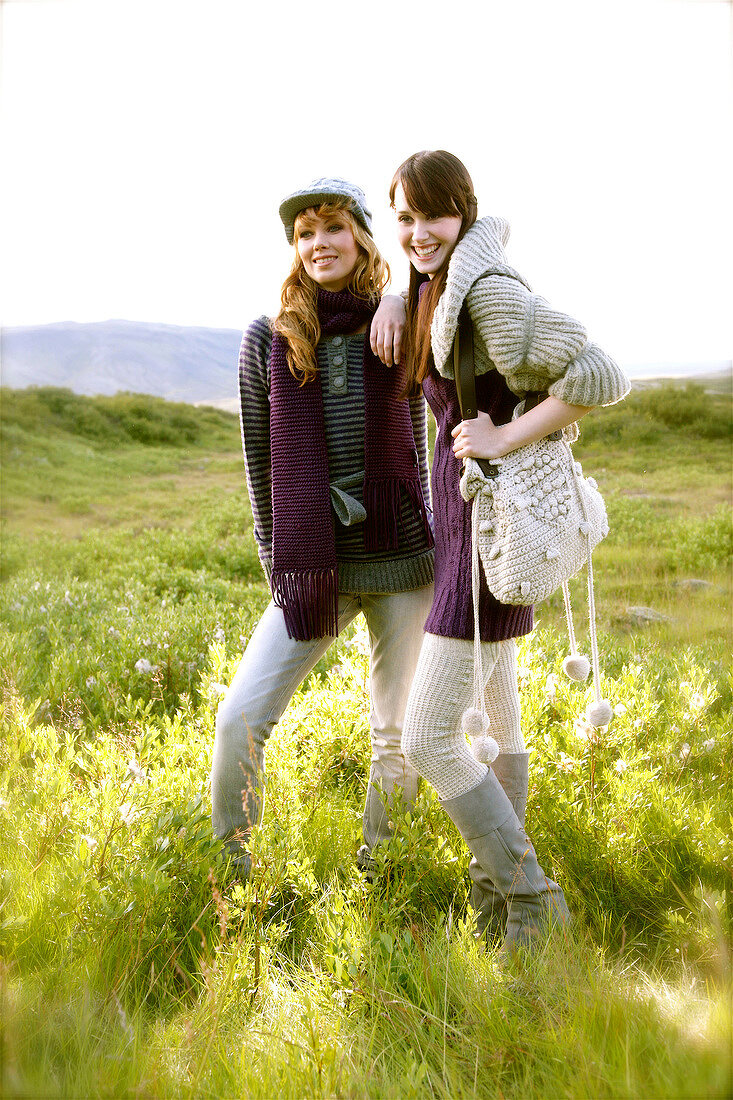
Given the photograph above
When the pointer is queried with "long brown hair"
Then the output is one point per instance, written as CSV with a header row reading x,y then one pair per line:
x,y
435,183
298,320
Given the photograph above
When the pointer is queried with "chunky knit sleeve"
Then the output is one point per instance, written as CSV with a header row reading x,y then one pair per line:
x,y
536,347
254,399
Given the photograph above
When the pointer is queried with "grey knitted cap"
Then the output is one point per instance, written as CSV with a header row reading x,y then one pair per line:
x,y
321,191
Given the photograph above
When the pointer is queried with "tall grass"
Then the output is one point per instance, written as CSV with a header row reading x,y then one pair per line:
x,y
131,963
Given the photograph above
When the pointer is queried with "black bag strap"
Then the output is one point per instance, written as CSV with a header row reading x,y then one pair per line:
x,y
465,379
463,369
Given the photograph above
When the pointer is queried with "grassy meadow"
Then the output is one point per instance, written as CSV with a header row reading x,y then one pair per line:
x,y
131,966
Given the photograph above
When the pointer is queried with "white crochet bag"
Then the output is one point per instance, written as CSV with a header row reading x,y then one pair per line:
x,y
535,520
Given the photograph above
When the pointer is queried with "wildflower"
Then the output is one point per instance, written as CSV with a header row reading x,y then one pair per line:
x,y
144,666
620,766
36,586
128,813
17,606
566,763
697,701
709,745
113,633
620,710
67,598
218,689
43,609
135,770
584,731
219,635
638,723
91,682
684,752
551,686
523,672
90,841
147,641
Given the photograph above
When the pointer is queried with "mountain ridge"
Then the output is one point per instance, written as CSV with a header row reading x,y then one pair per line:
x,y
190,363
179,362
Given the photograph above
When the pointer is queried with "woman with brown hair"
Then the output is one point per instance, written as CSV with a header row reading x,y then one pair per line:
x,y
521,345
336,465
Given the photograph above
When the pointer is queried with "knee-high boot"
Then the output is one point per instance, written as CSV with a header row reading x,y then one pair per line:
x,y
511,769
487,822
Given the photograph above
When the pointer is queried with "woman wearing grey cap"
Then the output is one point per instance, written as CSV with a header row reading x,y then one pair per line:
x,y
336,464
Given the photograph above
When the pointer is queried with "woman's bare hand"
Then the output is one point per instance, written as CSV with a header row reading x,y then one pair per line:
x,y
482,438
388,324
479,438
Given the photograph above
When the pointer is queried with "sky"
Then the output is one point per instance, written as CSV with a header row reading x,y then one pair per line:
x,y
147,145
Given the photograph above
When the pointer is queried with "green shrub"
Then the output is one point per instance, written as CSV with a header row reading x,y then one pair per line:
x,y
704,544
122,419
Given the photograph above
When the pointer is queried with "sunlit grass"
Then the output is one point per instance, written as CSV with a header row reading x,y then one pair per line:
x,y
132,966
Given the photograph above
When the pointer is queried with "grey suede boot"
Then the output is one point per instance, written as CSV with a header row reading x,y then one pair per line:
x,y
511,769
375,826
487,822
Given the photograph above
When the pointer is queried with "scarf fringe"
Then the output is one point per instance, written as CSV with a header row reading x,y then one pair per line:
x,y
383,503
414,490
309,601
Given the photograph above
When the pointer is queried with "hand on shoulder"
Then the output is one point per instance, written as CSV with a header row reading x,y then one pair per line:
x,y
388,325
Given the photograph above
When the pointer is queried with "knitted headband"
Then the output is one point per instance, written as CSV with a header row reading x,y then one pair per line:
x,y
320,191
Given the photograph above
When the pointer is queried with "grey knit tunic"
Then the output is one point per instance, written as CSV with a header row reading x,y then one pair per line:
x,y
340,363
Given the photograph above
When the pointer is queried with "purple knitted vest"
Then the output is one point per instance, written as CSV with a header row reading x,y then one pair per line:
x,y
304,568
451,615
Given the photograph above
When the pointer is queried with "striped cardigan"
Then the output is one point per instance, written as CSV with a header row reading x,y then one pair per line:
x,y
340,362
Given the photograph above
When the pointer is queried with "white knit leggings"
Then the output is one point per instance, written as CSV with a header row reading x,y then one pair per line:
x,y
432,739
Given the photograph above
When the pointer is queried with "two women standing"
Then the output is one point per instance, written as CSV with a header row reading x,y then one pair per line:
x,y
336,469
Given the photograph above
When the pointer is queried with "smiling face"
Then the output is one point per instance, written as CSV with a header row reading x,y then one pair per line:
x,y
327,248
428,240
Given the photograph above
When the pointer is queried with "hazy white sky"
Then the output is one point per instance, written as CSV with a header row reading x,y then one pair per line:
x,y
147,145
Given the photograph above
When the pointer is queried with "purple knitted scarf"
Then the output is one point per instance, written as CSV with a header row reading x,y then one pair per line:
x,y
304,570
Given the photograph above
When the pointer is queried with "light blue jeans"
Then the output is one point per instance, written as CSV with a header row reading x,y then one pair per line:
x,y
271,671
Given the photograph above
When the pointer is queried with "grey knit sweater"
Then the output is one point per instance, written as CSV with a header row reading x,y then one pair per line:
x,y
340,363
532,345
